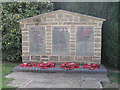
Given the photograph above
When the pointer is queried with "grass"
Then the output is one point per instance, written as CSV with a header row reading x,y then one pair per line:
x,y
113,76
7,69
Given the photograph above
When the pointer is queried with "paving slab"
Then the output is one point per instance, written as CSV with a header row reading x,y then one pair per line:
x,y
40,84
53,84
91,84
56,80
33,75
19,83
96,77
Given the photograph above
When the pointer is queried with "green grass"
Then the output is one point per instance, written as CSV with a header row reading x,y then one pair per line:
x,y
7,69
114,77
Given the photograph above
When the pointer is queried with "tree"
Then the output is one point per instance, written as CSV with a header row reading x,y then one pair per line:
x,y
11,32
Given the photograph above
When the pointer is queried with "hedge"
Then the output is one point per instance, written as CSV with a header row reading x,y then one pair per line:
x,y
11,32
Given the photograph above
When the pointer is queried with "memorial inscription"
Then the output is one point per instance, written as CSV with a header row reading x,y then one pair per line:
x,y
37,40
85,41
60,40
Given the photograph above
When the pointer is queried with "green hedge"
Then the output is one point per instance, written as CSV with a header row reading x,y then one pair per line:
x,y
11,32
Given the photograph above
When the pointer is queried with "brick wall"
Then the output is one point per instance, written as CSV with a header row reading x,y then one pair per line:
x,y
61,19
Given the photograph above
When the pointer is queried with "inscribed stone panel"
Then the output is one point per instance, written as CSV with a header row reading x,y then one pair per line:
x,y
60,40
37,40
85,41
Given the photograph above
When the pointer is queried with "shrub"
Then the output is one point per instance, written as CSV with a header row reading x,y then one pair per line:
x,y
11,32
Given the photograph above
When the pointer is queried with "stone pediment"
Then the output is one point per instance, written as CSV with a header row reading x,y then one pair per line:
x,y
61,15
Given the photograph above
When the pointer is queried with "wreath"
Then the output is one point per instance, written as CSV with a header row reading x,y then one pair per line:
x,y
46,65
91,66
27,65
69,65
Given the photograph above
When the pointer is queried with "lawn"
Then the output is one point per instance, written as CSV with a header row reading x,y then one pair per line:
x,y
113,76
7,69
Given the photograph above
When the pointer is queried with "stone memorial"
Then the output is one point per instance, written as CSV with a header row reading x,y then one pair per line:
x,y
62,36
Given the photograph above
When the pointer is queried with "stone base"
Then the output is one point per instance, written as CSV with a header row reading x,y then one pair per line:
x,y
101,70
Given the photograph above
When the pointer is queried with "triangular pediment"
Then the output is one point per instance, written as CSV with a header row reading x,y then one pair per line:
x,y
51,14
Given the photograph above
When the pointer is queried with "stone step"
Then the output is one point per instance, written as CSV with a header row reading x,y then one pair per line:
x,y
101,70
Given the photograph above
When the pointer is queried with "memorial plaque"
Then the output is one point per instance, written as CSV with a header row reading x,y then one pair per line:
x,y
85,41
60,37
60,40
37,40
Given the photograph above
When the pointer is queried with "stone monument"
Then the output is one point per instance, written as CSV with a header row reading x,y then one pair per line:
x,y
62,36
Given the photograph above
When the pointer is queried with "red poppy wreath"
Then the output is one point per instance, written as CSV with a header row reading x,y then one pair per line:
x,y
27,65
46,65
91,66
69,65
